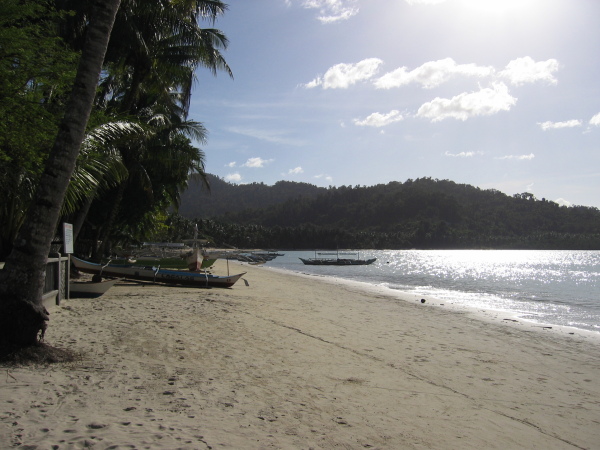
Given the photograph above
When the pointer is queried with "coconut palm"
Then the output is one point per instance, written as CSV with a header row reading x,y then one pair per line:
x,y
22,314
98,168
154,54
158,169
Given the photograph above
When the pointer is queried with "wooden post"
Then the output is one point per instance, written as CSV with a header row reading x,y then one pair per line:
x,y
68,280
58,278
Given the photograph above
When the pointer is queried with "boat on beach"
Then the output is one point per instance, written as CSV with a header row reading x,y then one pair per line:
x,y
346,259
157,275
90,289
198,259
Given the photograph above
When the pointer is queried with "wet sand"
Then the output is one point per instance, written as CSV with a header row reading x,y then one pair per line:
x,y
299,362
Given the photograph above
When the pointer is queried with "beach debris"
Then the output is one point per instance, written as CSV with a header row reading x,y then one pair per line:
x,y
8,374
422,300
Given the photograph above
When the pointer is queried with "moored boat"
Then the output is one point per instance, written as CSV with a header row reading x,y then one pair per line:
x,y
157,275
326,259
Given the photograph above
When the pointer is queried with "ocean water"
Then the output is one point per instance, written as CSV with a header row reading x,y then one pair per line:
x,y
543,286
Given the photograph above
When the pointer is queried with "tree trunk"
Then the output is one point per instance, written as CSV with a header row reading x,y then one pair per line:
x,y
81,215
102,242
22,314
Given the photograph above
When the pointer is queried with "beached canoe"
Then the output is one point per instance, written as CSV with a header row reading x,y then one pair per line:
x,y
90,289
157,275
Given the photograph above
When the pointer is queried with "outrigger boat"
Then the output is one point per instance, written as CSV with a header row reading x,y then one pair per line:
x,y
197,259
156,274
322,259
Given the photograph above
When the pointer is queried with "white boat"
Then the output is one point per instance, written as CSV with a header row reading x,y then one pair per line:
x,y
90,289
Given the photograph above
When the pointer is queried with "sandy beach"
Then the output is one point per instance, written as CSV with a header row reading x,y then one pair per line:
x,y
299,362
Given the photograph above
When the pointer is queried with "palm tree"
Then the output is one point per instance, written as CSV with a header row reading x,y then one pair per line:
x,y
152,59
158,169
98,167
22,315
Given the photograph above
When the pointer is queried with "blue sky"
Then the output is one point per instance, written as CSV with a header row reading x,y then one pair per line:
x,y
501,94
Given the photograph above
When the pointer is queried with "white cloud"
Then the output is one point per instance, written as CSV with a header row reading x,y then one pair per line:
x,y
233,177
557,125
342,76
562,202
327,178
431,74
463,154
525,70
275,136
380,120
518,157
486,102
332,10
257,162
231,164
595,120
295,171
434,73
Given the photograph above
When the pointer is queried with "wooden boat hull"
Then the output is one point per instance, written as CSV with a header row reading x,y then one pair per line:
x,y
90,289
337,262
157,275
197,260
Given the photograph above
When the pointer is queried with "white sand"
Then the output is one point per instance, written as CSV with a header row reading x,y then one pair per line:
x,y
299,362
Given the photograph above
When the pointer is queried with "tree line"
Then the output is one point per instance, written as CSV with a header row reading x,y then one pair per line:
x,y
422,213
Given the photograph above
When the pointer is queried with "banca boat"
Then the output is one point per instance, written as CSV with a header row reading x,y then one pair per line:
x,y
157,275
325,259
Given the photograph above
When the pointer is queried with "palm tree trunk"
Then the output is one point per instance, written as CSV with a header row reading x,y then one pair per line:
x,y
103,238
81,215
22,314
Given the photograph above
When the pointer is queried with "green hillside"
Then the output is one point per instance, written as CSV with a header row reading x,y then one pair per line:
x,y
224,197
421,213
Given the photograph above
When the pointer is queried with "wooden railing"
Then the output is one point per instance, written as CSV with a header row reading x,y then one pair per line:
x,y
56,286
57,280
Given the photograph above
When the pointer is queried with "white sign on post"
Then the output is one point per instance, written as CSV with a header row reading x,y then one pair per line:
x,y
68,237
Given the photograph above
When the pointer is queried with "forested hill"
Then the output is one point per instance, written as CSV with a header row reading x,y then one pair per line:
x,y
224,197
421,213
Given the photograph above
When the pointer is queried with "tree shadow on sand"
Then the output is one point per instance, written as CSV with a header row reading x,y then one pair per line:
x,y
40,353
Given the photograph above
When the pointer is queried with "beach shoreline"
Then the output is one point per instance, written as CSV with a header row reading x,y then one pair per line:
x,y
299,361
509,318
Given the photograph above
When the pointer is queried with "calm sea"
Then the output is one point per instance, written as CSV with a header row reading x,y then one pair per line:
x,y
550,287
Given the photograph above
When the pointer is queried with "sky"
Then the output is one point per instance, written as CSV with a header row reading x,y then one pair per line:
x,y
498,94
